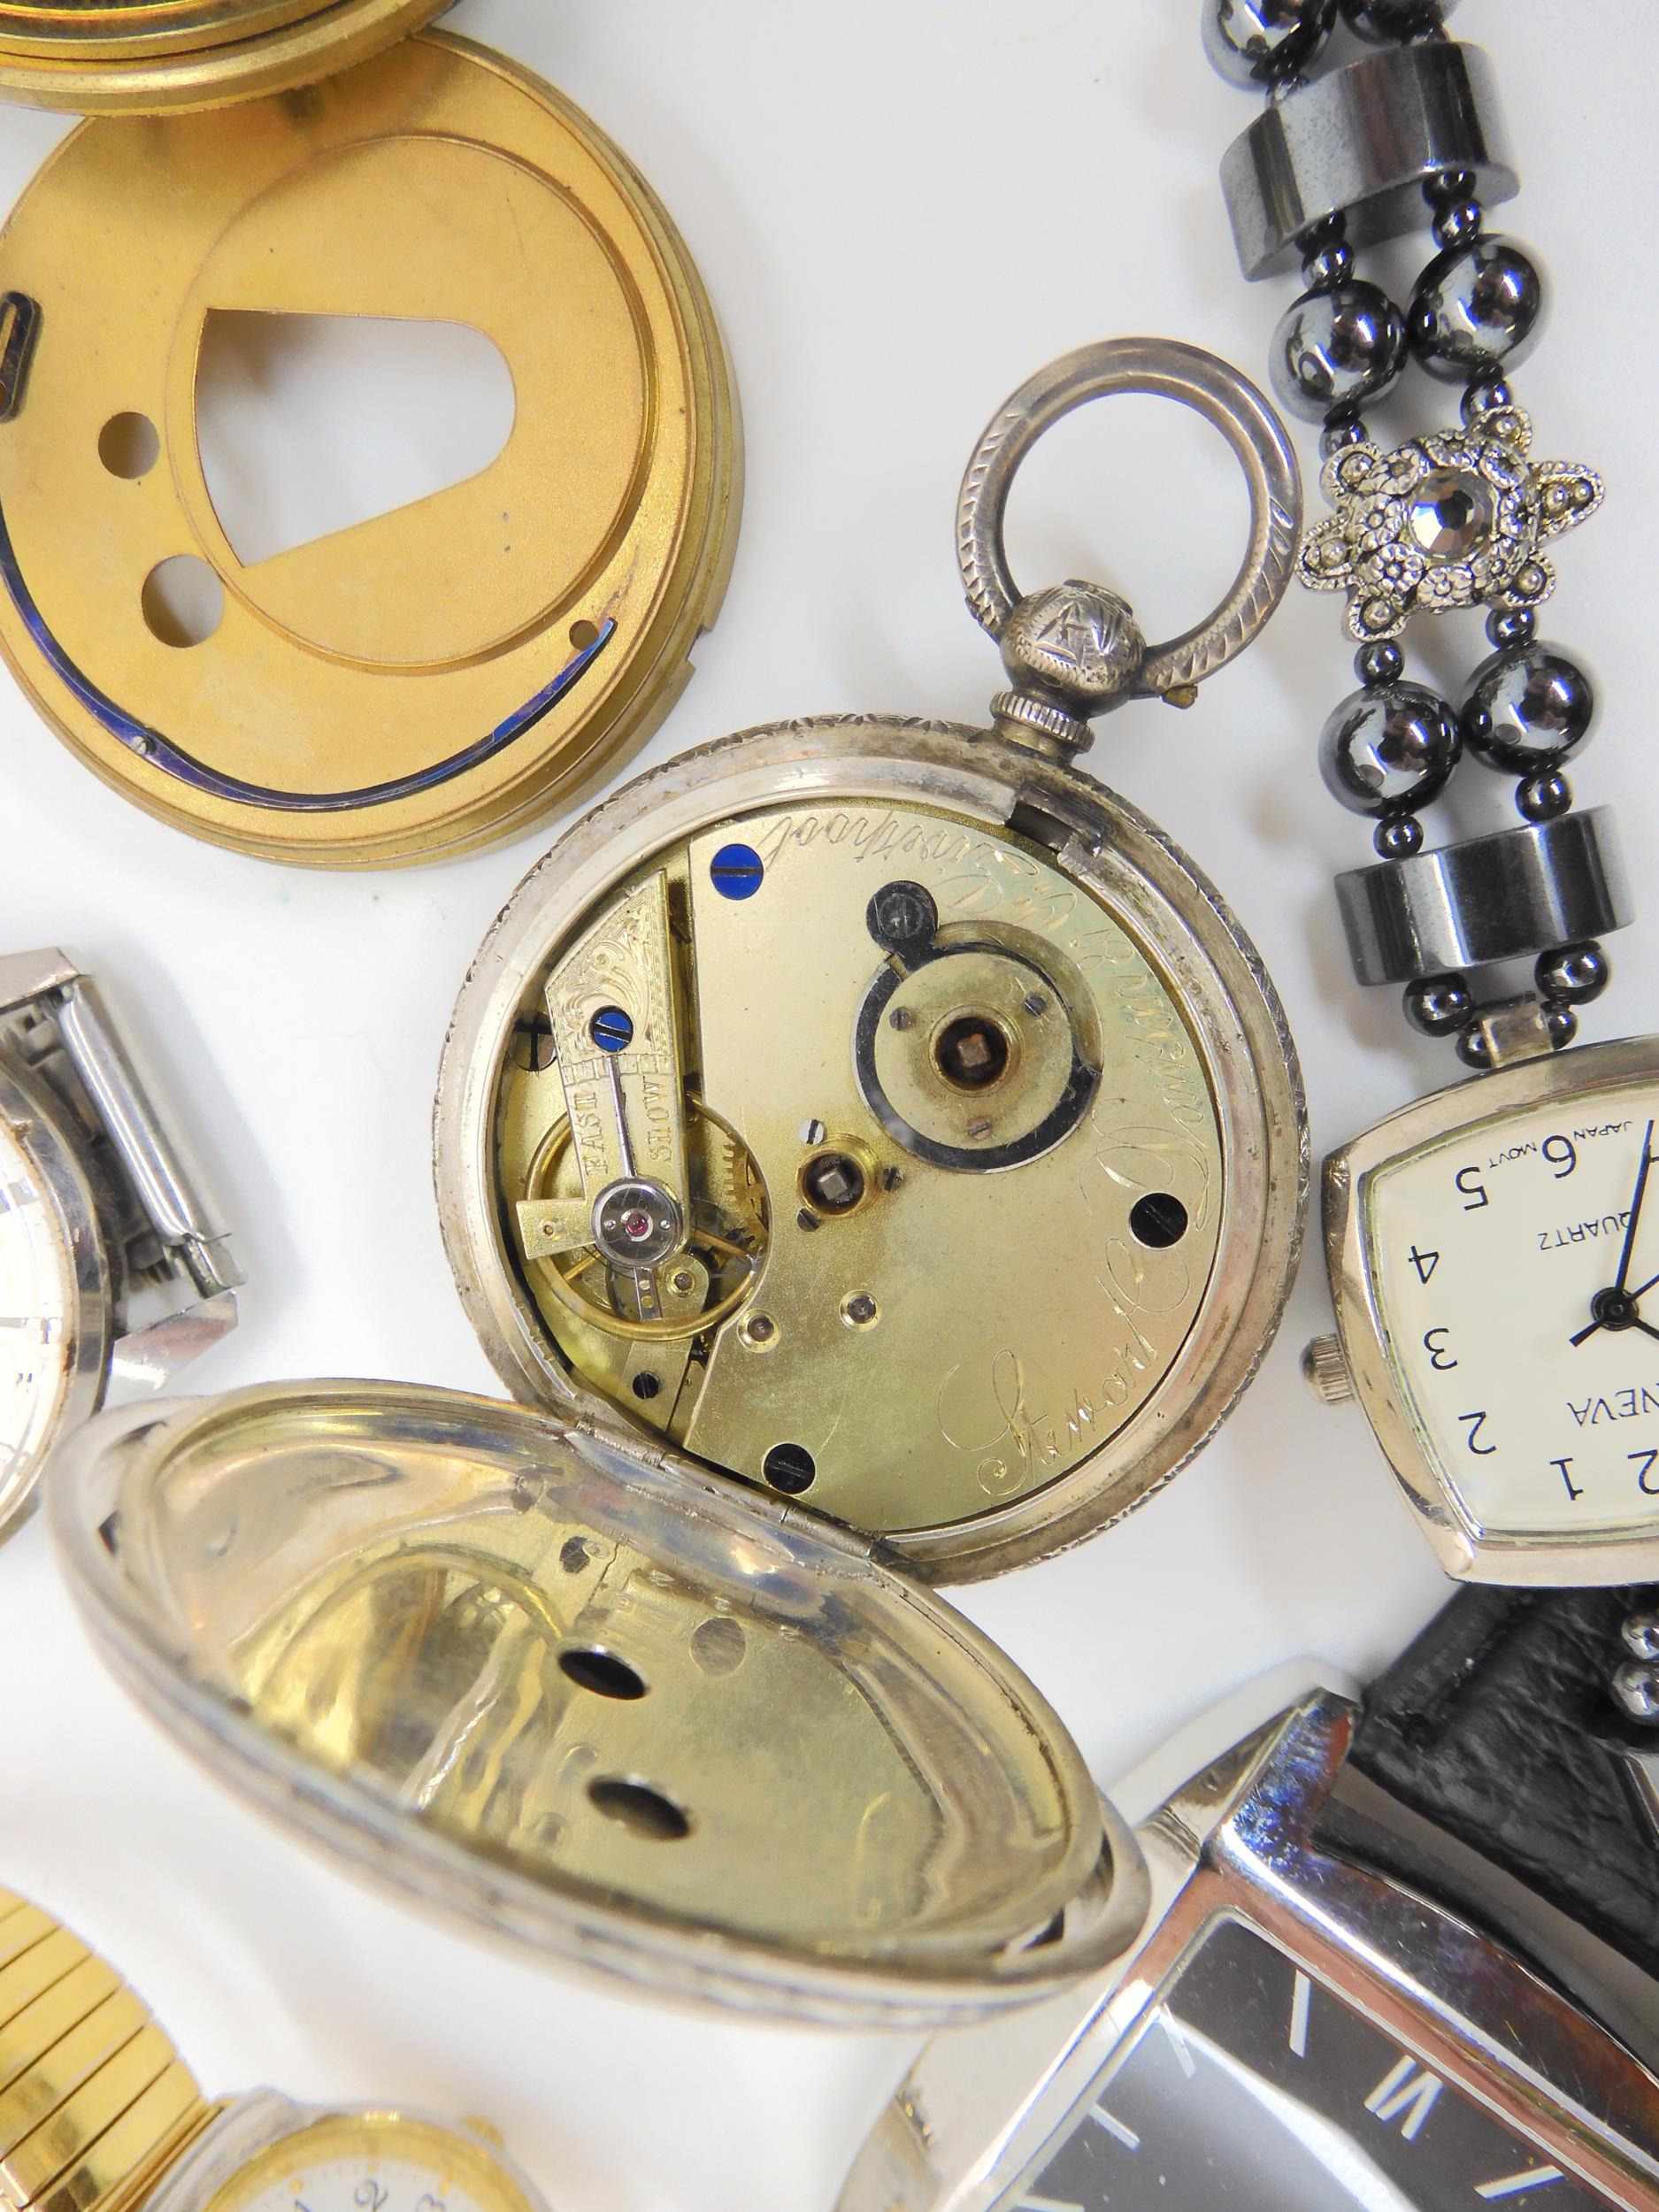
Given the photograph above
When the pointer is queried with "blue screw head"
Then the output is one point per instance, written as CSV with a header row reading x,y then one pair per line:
x,y
612,1030
736,871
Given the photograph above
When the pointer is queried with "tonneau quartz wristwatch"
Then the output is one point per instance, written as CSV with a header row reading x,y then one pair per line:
x,y
98,2113
114,1265
1494,1250
1323,2013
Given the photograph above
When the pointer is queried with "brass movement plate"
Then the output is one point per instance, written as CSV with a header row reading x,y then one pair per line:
x,y
437,676
961,1230
642,1719
143,57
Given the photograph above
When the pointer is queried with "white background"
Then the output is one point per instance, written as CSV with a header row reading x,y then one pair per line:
x,y
902,208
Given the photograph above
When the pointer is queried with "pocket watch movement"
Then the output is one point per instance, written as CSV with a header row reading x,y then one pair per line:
x,y
113,1265
98,2111
431,678
882,1110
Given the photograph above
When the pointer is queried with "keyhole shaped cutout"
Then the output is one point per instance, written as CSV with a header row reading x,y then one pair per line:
x,y
309,424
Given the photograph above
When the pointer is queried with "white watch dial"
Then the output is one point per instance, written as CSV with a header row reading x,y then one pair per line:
x,y
1517,1271
37,1282
364,2162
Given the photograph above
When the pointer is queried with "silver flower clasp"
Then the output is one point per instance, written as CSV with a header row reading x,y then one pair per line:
x,y
1453,521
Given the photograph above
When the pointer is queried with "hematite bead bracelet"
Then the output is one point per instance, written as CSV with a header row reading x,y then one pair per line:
x,y
1459,518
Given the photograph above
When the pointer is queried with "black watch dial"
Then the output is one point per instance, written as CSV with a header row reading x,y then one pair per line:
x,y
1253,2088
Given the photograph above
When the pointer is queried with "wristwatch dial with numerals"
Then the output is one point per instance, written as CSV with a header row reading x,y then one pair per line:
x,y
37,1293
356,2162
1254,2086
1495,1251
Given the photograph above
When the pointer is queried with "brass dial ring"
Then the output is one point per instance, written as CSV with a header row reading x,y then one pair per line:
x,y
141,60
424,681
1165,369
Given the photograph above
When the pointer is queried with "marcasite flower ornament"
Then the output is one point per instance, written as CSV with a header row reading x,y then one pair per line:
x,y
1452,520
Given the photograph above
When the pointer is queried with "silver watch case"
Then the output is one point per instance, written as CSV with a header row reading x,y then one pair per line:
x,y
1465,1550
253,2121
979,2110
102,1344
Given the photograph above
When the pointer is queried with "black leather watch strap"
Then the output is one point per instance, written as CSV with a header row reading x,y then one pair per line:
x,y
1498,1726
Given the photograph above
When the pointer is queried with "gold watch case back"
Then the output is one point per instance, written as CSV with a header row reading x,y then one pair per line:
x,y
887,1118
438,675
634,1716
139,57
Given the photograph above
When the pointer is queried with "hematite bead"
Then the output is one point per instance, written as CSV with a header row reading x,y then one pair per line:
x,y
1346,430
1390,748
1563,1025
1391,22
1512,625
1335,349
1325,266
1544,798
1265,41
1459,223
1572,975
1484,394
1398,837
1529,709
1473,1050
1440,1004
1476,306
1382,662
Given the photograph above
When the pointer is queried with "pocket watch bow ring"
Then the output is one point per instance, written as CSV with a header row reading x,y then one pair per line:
x,y
884,1112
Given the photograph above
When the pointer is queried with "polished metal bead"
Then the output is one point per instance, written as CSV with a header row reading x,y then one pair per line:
x,y
1398,836
1476,306
1440,1005
1544,798
1334,350
1265,42
1459,223
1636,1688
1337,436
1563,1025
1512,625
1529,710
1474,1048
1390,748
1327,265
1642,1635
1572,975
1391,22
1485,395
1381,662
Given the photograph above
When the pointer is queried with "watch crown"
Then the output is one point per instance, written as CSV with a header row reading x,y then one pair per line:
x,y
487,2128
1325,1370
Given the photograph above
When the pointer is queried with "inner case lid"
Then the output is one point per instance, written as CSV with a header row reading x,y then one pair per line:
x,y
597,1700
139,57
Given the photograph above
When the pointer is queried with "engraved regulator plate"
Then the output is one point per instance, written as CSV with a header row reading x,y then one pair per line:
x,y
886,1118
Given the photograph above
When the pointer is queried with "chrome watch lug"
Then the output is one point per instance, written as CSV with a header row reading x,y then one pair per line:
x,y
976,2104
167,1181
238,2130
47,1004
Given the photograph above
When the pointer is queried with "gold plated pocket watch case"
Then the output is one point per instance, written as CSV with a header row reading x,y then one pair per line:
x,y
435,676
884,1112
141,55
